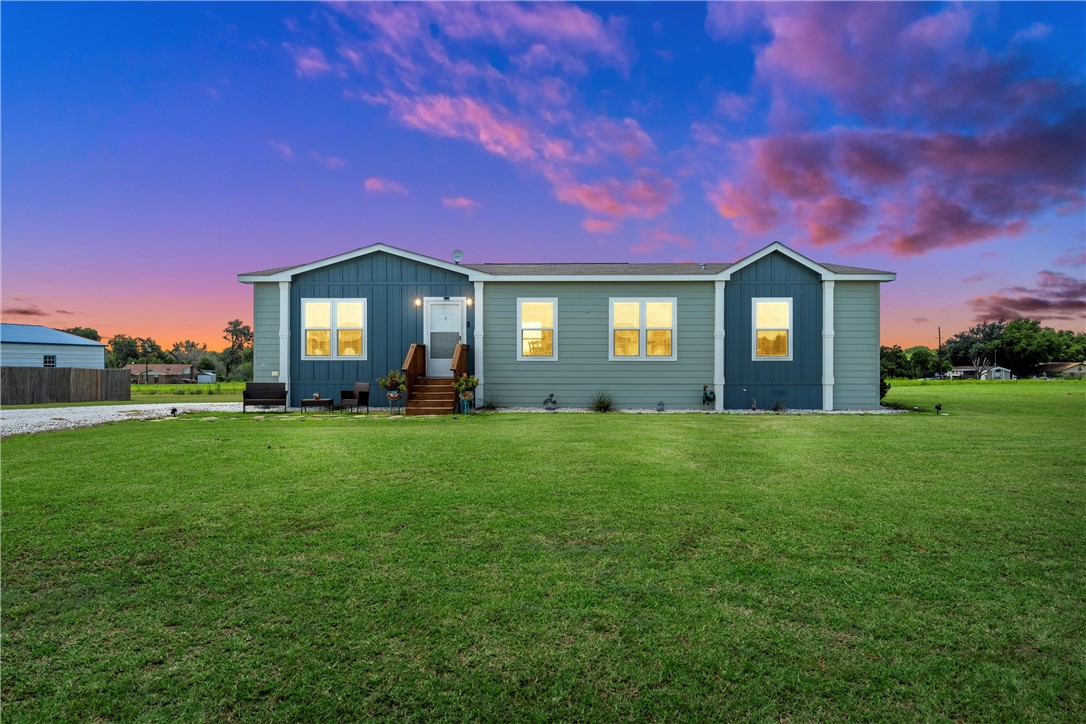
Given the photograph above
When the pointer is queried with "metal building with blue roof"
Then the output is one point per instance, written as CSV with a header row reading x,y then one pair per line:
x,y
31,345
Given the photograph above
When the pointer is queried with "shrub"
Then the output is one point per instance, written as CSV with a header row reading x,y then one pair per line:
x,y
778,407
884,387
602,401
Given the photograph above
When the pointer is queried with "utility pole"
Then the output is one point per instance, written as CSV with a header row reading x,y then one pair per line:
x,y
939,352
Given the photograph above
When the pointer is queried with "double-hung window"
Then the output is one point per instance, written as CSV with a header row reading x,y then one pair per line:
x,y
771,328
642,329
537,321
334,329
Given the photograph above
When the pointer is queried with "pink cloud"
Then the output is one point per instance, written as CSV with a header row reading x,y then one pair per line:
x,y
308,62
375,185
932,190
1055,296
622,138
329,161
467,119
1074,258
600,226
460,202
283,149
645,197
978,277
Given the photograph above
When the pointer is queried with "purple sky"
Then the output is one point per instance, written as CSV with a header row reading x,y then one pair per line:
x,y
151,152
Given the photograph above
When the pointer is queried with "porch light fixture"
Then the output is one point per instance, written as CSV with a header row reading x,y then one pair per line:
x,y
469,301
418,302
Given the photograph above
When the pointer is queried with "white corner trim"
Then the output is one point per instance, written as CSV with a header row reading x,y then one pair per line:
x,y
284,334
718,343
477,342
827,345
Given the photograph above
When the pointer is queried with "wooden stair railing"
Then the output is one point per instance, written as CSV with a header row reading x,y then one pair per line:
x,y
414,365
459,364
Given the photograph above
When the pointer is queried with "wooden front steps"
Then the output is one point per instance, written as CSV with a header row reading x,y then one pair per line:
x,y
432,396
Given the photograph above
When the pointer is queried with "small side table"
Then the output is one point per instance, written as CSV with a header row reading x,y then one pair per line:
x,y
309,402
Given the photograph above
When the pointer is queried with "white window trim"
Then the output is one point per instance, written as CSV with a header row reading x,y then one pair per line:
x,y
754,329
521,357
642,348
335,356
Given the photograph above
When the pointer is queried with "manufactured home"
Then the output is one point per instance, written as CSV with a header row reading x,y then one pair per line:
x,y
774,328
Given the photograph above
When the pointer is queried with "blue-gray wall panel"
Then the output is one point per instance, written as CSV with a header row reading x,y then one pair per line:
x,y
390,284
796,384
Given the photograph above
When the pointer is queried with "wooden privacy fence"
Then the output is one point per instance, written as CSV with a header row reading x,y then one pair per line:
x,y
32,385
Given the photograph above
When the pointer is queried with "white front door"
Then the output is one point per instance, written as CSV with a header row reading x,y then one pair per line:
x,y
444,327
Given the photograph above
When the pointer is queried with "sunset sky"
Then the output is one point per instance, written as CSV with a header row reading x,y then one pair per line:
x,y
152,152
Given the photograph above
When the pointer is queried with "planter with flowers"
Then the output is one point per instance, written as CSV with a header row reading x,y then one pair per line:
x,y
465,386
395,384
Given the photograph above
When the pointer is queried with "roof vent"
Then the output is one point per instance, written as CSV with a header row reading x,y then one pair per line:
x,y
702,267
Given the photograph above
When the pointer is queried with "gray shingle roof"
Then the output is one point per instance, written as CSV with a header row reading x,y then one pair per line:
x,y
36,334
596,269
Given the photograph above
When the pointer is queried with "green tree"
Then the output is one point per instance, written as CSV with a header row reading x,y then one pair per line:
x,y
151,352
123,350
893,362
1026,344
207,362
978,343
238,335
188,351
923,361
86,332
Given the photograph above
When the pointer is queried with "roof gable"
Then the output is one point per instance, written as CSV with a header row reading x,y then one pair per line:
x,y
285,274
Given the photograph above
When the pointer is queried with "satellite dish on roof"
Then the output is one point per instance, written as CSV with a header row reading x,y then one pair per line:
x,y
458,256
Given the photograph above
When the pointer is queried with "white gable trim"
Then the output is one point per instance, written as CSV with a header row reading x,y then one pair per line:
x,y
817,268
757,256
287,275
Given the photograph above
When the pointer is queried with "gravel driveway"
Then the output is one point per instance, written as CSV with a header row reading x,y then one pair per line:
x,y
18,422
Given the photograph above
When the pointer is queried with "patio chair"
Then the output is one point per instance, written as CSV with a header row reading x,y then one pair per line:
x,y
357,395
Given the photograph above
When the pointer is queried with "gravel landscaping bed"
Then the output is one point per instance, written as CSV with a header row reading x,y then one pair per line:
x,y
43,419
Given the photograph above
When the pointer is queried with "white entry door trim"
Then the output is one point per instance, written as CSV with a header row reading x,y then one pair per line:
x,y
442,318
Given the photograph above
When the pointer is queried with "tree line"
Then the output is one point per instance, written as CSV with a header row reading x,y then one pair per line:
x,y
1021,345
234,363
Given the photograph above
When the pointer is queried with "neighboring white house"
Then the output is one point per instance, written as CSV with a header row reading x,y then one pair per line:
x,y
31,345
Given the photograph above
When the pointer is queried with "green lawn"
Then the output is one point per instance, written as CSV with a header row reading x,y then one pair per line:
x,y
540,567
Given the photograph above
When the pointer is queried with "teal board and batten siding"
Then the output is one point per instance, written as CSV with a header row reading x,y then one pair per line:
x,y
266,332
583,367
856,346
796,384
390,284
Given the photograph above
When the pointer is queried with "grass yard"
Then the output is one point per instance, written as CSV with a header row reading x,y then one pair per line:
x,y
542,567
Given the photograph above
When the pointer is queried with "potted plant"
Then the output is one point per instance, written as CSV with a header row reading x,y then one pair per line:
x,y
395,384
465,386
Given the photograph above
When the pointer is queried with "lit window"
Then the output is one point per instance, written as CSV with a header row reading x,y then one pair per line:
x,y
334,328
643,329
49,360
536,325
772,329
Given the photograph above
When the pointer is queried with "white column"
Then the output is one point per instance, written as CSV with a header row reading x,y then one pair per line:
x,y
827,345
284,335
718,344
479,397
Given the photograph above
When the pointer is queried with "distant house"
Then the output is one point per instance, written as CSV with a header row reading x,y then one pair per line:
x,y
153,374
1063,369
997,373
31,345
